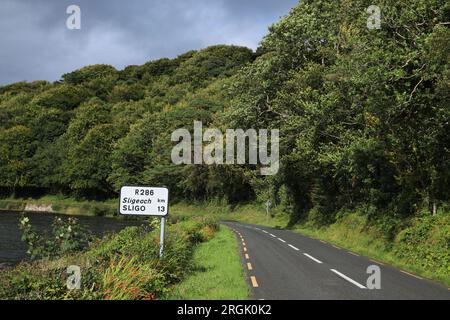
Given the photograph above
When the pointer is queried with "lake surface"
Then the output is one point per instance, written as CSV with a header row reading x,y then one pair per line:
x,y
13,250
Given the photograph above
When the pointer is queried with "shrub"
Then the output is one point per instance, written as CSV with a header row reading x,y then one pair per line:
x,y
122,266
426,243
67,236
127,279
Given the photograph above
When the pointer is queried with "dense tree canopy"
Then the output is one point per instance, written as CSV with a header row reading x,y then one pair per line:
x,y
363,116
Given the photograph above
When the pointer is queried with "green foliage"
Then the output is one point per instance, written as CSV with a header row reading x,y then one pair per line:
x,y
15,149
363,117
67,237
430,238
122,266
88,74
65,97
362,112
99,128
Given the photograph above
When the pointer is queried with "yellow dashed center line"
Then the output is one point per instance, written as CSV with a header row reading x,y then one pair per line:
x,y
247,257
254,282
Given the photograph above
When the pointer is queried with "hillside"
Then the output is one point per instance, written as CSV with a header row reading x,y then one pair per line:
x,y
363,118
364,180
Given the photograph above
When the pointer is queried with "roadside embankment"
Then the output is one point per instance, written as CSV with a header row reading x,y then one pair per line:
x,y
62,205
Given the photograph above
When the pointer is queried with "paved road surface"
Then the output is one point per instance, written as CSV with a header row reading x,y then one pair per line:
x,y
283,265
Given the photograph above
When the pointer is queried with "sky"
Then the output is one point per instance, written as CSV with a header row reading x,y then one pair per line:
x,y
35,43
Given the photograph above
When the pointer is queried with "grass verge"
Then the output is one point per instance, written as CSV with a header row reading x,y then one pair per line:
x,y
123,266
217,273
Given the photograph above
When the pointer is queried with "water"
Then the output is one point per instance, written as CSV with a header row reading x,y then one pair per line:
x,y
13,250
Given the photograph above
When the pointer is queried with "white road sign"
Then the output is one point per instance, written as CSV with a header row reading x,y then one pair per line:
x,y
144,201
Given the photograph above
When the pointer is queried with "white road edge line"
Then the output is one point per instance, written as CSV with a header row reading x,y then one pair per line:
x,y
412,275
273,236
377,262
295,248
281,240
343,276
312,258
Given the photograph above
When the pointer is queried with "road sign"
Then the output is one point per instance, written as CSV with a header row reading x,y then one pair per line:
x,y
144,201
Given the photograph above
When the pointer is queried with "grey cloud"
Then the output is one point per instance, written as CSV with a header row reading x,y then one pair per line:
x,y
35,43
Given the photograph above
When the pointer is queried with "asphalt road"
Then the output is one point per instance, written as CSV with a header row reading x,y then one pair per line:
x,y
283,265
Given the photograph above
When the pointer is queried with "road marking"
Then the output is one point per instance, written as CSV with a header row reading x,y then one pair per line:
x,y
378,262
249,266
254,282
247,256
352,253
295,248
343,276
245,249
412,275
336,247
264,231
312,258
273,236
281,240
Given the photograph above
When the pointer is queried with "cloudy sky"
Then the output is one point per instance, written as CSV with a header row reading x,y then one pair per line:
x,y
35,43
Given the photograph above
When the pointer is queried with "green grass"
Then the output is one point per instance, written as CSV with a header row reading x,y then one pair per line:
x,y
218,272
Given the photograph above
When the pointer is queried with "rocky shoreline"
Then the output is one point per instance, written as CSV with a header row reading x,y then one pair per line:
x,y
5,266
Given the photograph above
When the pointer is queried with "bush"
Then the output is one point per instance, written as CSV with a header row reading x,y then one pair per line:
x,y
127,279
68,236
429,236
122,266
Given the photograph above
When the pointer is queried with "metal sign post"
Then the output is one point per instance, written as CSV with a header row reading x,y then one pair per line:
x,y
268,205
146,201
161,237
